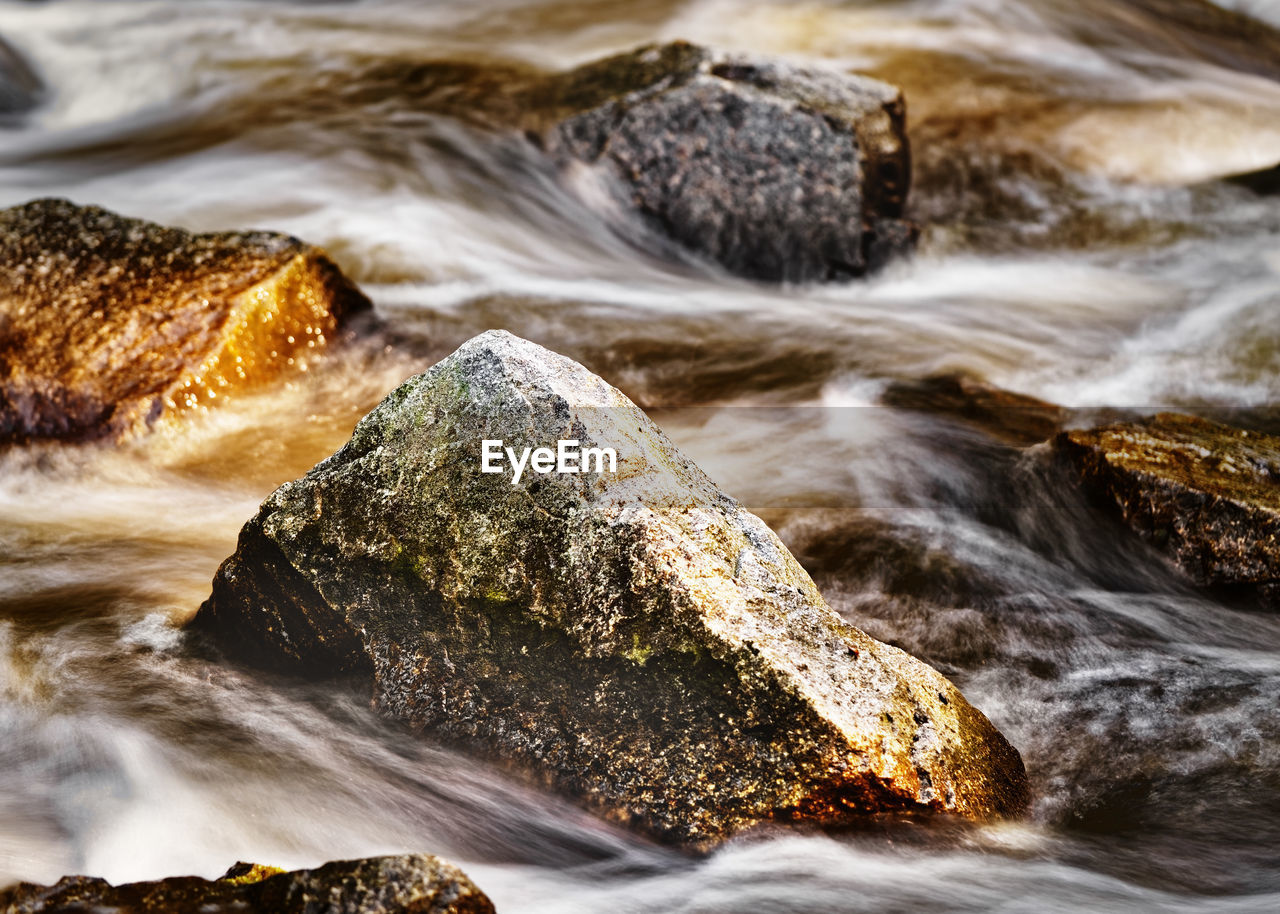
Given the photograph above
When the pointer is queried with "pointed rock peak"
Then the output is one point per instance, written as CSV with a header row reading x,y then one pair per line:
x,y
522,562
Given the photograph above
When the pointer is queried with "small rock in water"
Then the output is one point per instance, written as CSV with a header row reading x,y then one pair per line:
x,y
408,884
1206,494
108,323
774,171
634,638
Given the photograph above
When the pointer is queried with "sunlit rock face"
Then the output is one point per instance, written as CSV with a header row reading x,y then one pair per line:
x,y
407,884
634,638
1205,494
109,323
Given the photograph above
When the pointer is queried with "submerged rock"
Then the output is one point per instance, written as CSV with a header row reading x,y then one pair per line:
x,y
1011,417
107,323
408,884
635,638
1207,495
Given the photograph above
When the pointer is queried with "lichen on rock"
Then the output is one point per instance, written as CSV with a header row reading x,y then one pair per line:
x,y
109,323
636,639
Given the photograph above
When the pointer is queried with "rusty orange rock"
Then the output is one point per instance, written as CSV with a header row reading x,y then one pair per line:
x,y
109,323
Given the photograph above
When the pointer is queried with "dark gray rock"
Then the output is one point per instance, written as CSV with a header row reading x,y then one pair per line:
x,y
408,884
20,88
635,639
775,172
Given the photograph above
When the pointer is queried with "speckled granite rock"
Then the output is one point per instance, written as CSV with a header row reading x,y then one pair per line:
x,y
636,639
774,171
409,884
1206,494
108,323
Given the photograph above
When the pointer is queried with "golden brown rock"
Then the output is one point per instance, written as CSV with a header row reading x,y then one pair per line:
x,y
1206,494
108,323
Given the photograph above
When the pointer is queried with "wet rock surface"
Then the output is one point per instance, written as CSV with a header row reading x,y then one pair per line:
x,y
408,884
107,323
1011,417
635,639
773,171
1206,494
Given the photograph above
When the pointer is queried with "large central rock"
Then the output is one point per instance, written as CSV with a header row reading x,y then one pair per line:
x,y
636,638
407,884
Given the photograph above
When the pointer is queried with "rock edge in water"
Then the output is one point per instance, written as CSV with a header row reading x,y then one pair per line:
x,y
637,640
108,323
1205,494
406,884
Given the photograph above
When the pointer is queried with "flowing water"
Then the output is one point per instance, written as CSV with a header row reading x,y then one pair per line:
x,y
1079,245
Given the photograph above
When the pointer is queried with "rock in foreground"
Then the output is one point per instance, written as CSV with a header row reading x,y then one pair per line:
x,y
634,638
409,884
20,87
1208,495
107,323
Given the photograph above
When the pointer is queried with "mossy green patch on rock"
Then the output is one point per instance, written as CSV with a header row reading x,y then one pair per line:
x,y
635,639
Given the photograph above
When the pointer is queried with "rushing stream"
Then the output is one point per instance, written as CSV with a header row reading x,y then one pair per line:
x,y
1079,245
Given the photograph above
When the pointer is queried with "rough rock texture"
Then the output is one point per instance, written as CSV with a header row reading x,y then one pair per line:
x,y
774,171
20,87
1206,494
636,639
1011,417
106,323
409,884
